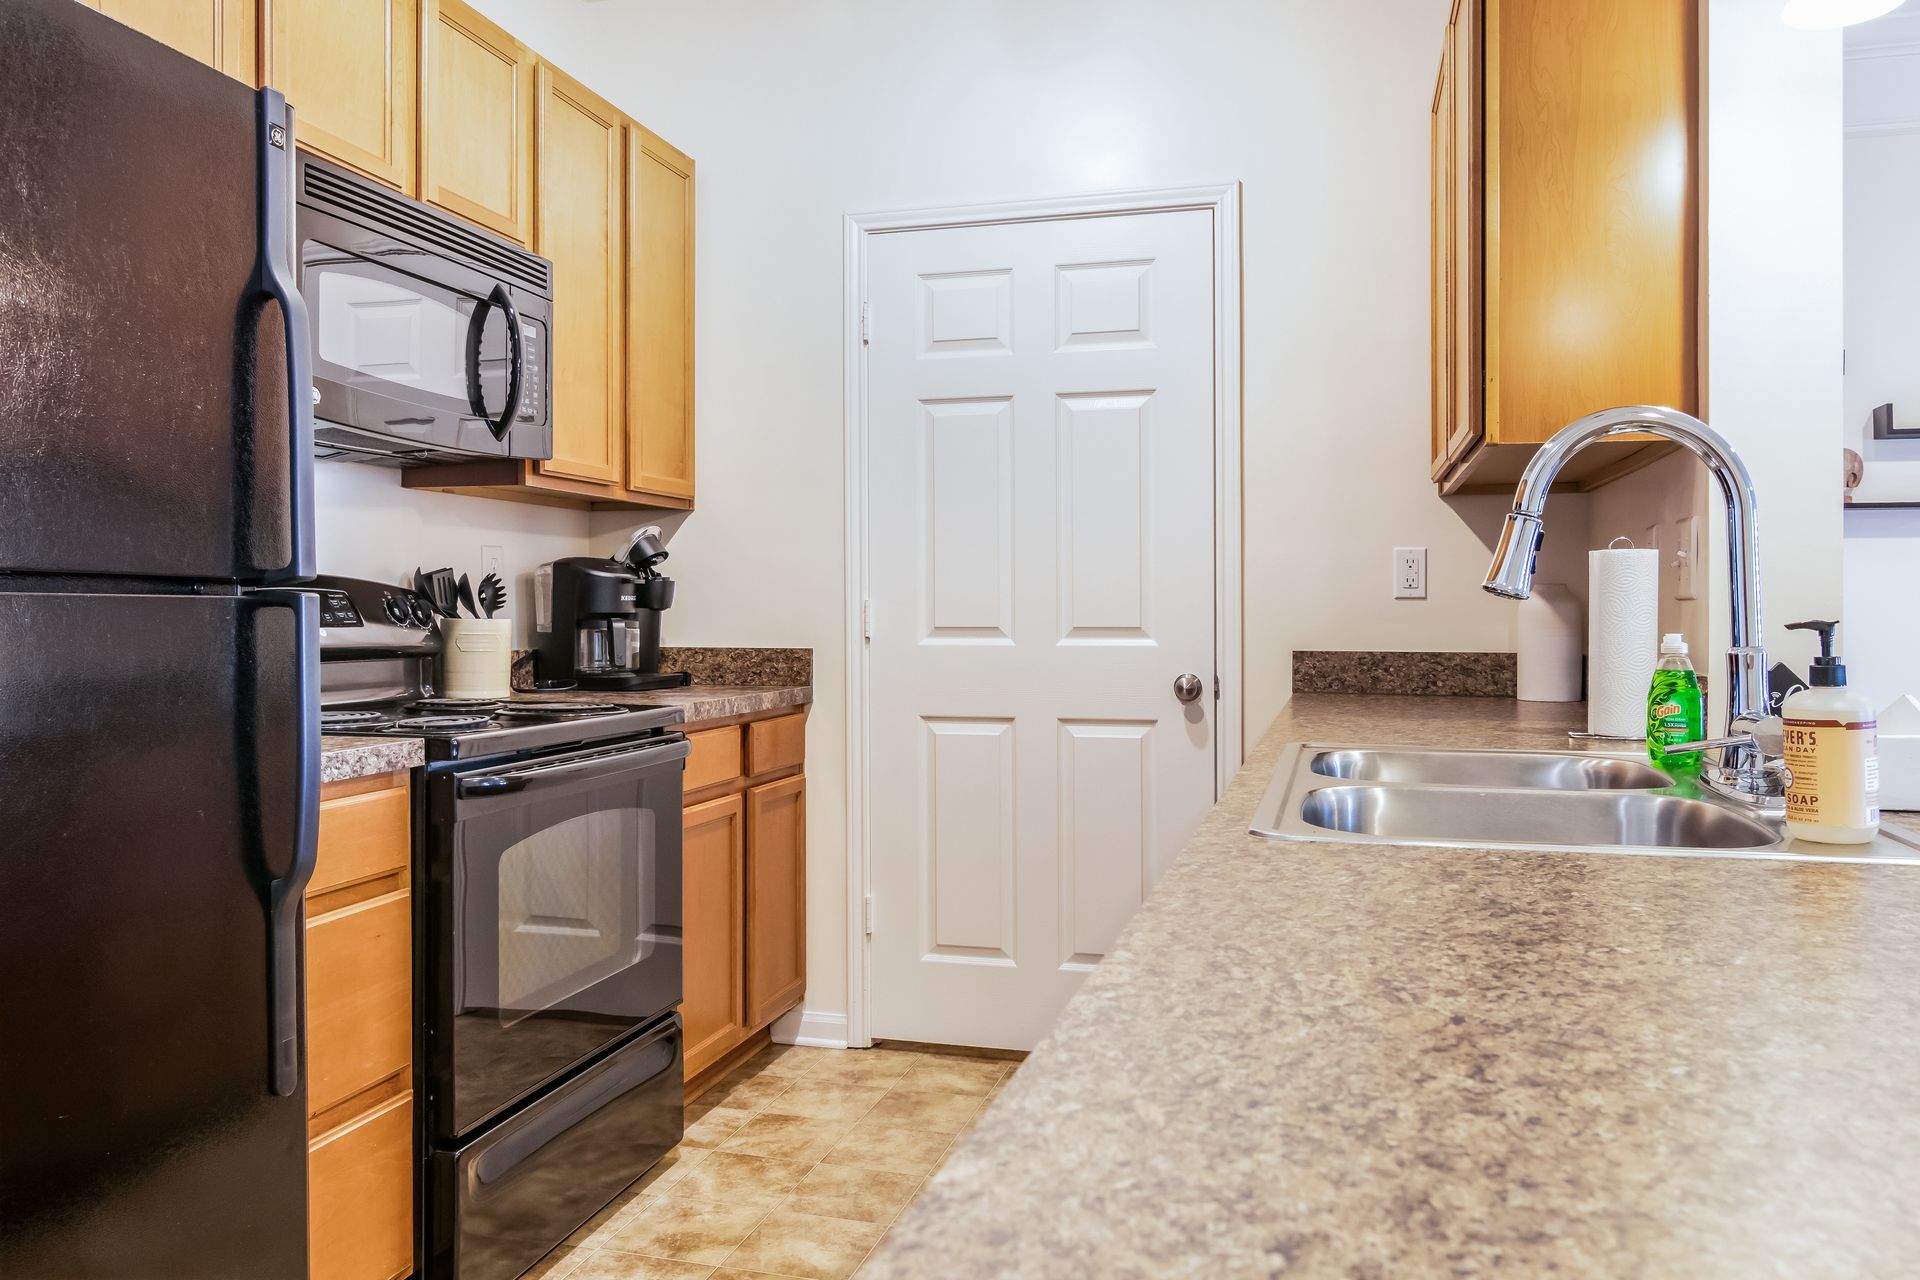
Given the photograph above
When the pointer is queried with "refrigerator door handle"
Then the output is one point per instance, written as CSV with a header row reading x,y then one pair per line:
x,y
516,368
274,277
284,895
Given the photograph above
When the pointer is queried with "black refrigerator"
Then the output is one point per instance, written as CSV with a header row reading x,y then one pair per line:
x,y
159,743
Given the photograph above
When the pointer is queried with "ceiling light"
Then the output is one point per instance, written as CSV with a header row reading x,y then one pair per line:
x,y
1820,15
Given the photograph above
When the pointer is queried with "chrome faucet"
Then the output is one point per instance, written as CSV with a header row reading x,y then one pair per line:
x,y
1750,770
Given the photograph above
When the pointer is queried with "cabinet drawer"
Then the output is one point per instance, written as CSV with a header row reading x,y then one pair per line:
x,y
360,1196
715,757
359,998
362,836
780,743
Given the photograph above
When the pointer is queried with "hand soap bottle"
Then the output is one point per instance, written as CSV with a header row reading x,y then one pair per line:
x,y
1674,713
1835,794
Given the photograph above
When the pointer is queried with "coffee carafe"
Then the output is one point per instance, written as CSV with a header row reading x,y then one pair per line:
x,y
597,622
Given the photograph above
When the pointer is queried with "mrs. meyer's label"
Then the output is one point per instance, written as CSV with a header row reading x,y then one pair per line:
x,y
1827,758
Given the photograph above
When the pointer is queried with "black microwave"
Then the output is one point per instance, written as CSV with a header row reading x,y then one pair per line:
x,y
432,339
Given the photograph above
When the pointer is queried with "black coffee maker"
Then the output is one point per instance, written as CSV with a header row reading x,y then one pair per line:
x,y
597,622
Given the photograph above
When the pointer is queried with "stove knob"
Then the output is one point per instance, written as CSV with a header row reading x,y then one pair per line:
x,y
396,610
422,612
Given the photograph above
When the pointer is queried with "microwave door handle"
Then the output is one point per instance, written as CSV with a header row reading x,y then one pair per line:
x,y
273,277
516,366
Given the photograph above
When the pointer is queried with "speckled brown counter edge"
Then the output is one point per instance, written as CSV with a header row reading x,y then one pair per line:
x,y
1465,675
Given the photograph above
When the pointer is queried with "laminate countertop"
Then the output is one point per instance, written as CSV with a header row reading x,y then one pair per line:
x,y
342,759
1364,1061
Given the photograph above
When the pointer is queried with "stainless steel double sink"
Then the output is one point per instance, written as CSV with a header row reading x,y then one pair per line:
x,y
1585,802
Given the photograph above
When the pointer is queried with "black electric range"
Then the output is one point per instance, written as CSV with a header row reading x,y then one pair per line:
x,y
547,842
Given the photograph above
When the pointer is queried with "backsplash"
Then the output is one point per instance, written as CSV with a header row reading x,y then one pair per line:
x,y
1464,675
709,665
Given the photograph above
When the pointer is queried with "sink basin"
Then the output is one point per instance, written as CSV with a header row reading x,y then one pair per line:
x,y
1533,818
1551,770
1573,801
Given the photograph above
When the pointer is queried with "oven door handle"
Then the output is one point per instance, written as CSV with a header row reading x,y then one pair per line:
x,y
541,776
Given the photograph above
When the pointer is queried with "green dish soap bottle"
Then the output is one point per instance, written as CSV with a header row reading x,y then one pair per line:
x,y
1674,713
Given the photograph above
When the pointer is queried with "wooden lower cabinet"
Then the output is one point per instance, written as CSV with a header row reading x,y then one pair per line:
x,y
360,1196
743,896
359,983
776,898
713,862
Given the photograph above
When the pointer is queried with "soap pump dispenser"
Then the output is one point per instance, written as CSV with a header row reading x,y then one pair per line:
x,y
1834,797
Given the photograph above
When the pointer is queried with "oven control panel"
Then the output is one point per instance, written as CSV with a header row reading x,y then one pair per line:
x,y
358,613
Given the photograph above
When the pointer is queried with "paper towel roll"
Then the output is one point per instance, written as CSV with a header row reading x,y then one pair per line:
x,y
1547,662
1623,639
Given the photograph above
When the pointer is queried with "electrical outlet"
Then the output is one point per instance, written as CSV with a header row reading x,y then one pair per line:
x,y
1409,573
492,560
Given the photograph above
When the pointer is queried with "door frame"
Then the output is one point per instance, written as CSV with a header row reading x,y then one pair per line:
x,y
1222,200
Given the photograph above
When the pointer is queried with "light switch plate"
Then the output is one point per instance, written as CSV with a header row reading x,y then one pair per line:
x,y
1409,573
492,560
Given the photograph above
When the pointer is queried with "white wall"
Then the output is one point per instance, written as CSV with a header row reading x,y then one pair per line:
x,y
1881,640
367,526
1773,300
801,113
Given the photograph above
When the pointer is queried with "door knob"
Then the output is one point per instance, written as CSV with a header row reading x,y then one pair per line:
x,y
1187,687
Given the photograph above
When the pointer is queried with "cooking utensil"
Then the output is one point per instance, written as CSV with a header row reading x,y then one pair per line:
x,y
442,591
466,596
493,594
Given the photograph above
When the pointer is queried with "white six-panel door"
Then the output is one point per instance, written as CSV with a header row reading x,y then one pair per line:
x,y
1040,560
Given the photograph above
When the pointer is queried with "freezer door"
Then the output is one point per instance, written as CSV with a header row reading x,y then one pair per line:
x,y
152,426
158,790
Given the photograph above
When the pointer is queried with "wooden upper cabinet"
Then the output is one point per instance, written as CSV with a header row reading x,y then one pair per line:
x,y
776,898
577,224
1570,181
351,73
476,121
221,33
659,316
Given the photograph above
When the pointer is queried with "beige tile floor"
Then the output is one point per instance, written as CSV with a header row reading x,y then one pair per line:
x,y
792,1167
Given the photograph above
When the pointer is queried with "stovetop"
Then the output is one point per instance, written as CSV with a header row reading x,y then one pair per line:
x,y
468,728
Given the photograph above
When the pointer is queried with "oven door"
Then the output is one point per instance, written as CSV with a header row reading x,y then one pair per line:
x,y
553,918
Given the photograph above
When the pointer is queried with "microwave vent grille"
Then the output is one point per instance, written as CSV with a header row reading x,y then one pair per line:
x,y
445,233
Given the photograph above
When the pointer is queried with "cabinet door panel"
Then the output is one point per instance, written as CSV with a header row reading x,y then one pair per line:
x,y
359,998
220,33
476,128
659,316
1466,375
713,875
776,898
360,1196
577,159
351,73
1440,129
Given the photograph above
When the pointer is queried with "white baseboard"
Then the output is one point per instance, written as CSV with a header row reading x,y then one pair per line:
x,y
811,1027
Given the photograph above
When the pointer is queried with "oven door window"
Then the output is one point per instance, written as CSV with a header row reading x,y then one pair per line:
x,y
567,926
576,907
379,329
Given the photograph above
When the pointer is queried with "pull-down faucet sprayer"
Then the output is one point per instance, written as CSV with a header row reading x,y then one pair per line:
x,y
1749,771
